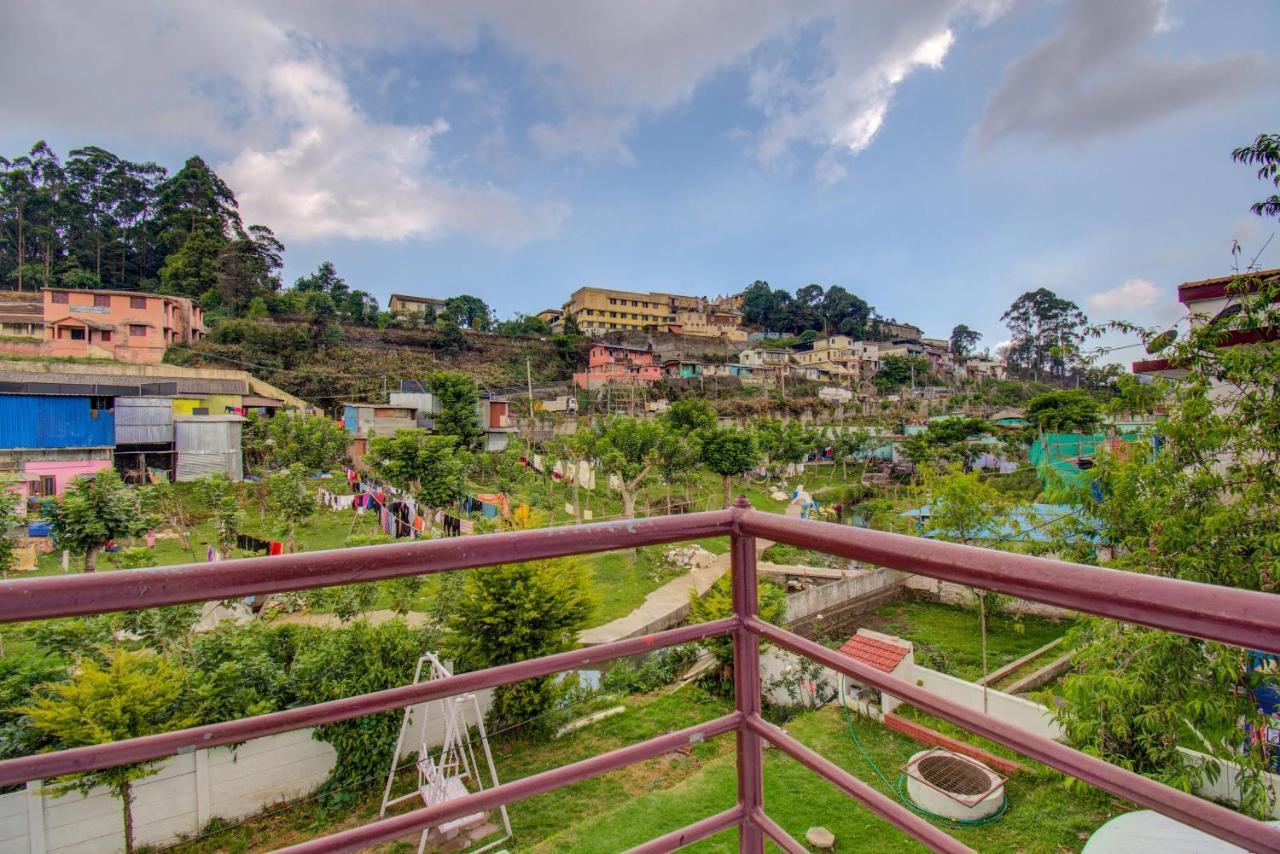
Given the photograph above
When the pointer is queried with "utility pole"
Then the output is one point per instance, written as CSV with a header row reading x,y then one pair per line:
x,y
528,378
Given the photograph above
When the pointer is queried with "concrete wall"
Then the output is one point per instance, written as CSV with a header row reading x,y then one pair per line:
x,y
958,594
839,600
182,797
1226,787
1006,707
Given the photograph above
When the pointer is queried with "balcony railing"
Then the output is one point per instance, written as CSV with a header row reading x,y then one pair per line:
x,y
1240,617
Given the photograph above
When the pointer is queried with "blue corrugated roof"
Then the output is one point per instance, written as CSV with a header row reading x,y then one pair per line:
x,y
54,421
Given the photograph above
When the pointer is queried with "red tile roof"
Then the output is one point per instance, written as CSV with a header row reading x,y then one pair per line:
x,y
881,655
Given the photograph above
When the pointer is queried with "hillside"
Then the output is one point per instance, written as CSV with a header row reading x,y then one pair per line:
x,y
362,362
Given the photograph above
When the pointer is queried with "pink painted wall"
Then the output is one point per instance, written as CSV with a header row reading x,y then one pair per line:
x,y
63,472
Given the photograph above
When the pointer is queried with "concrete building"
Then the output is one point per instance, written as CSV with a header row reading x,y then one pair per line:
x,y
406,304
614,363
765,357
599,310
889,330
708,320
551,316
123,325
1208,300
22,319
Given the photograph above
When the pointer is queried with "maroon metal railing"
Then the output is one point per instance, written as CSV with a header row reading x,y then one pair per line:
x,y
1214,613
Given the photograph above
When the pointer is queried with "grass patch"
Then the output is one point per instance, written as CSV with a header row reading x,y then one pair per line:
x,y
949,638
1042,817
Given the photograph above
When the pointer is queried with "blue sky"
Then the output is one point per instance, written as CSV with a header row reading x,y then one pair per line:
x,y
937,158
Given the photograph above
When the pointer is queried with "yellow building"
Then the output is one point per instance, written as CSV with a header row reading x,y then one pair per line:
x,y
600,310
406,304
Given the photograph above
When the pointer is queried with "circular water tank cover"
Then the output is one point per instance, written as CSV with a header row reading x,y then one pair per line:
x,y
952,785
1145,830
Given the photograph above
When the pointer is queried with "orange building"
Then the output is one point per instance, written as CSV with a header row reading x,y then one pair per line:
x,y
614,363
124,325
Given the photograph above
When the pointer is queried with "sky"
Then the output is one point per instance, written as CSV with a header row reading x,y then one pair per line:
x,y
937,158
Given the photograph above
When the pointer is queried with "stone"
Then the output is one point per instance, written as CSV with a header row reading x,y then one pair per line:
x,y
821,838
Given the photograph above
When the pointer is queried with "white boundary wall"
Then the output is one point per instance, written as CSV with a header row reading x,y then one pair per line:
x,y
180,798
1024,713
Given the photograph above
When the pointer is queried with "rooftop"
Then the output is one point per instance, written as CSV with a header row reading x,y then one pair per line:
x,y
881,654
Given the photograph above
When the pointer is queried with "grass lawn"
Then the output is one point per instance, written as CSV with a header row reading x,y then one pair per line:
x,y
1042,817
623,580
949,638
535,819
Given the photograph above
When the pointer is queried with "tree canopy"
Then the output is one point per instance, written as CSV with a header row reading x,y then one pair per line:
x,y
832,309
92,512
1073,411
1046,332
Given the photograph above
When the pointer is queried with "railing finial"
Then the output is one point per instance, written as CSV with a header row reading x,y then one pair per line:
x,y
743,503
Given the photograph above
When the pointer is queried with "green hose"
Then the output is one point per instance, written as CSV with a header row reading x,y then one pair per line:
x,y
899,787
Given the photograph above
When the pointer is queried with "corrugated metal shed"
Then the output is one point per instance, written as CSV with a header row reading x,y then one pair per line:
x,y
144,420
51,421
207,444
67,382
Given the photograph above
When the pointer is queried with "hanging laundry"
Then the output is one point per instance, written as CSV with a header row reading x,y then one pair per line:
x,y
498,499
586,475
588,515
568,508
274,548
615,482
466,526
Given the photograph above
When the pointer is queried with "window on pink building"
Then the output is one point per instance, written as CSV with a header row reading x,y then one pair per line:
x,y
137,330
60,297
102,300
137,302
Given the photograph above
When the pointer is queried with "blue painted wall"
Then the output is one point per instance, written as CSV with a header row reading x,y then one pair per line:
x,y
49,421
351,419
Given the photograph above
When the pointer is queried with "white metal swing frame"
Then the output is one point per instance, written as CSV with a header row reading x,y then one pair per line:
x,y
441,777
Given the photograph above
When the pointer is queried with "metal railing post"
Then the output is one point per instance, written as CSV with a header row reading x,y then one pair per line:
x,y
746,688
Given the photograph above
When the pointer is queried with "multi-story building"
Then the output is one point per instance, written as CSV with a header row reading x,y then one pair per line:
x,y
708,320
765,357
406,304
833,358
1208,300
600,310
123,325
890,329
613,363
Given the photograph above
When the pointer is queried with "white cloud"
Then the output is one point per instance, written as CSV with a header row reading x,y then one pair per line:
x,y
1132,295
596,137
1091,79
250,82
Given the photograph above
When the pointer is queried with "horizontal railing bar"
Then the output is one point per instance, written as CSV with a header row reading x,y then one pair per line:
x,y
1199,813
131,589
1246,618
880,804
676,839
413,822
42,766
774,831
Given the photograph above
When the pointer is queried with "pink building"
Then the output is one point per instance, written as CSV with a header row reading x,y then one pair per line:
x,y
123,325
615,363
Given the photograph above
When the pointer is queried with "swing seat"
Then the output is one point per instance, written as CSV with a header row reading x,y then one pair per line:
x,y
442,791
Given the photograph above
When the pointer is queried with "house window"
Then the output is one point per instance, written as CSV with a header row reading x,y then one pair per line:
x,y
77,333
48,486
137,330
104,335
60,297
139,302
102,300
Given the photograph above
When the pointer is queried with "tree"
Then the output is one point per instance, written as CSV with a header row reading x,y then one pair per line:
x,y
1265,154
629,448
758,304
516,612
570,326
292,500
430,467
1202,504
728,452
963,340
947,441
689,416
459,401
135,694
1073,411
218,494
1046,332
717,603
315,442
93,512
9,520
964,508
784,442
897,371
850,443
326,295
469,312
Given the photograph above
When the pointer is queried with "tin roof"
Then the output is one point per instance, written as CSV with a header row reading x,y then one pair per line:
x,y
880,654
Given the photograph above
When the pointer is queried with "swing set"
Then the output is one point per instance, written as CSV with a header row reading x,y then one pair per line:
x,y
453,770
